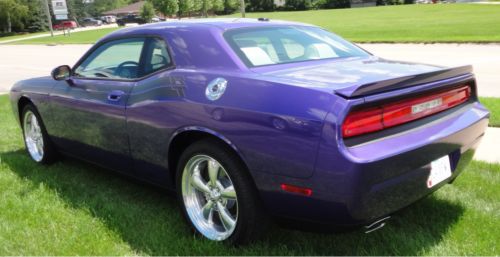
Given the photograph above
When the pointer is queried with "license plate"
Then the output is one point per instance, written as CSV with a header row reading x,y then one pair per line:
x,y
440,170
426,106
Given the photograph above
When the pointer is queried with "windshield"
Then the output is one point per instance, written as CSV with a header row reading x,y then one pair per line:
x,y
288,44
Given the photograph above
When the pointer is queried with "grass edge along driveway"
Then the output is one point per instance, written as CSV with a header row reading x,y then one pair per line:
x,y
72,208
493,105
80,37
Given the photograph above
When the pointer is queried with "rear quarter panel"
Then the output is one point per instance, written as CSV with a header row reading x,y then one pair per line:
x,y
275,127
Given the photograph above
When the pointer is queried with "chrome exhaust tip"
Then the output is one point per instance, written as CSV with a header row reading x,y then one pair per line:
x,y
376,225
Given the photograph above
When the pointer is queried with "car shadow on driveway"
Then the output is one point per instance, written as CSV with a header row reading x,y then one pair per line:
x,y
149,219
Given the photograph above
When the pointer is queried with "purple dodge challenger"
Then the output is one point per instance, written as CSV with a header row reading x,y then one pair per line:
x,y
249,120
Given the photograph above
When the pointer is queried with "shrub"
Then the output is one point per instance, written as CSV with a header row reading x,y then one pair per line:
x,y
330,4
389,2
298,4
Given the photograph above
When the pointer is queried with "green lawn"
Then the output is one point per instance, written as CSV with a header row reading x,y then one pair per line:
x,y
82,37
72,208
405,23
493,104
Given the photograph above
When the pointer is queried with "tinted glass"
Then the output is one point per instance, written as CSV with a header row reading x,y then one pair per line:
x,y
116,60
275,45
157,56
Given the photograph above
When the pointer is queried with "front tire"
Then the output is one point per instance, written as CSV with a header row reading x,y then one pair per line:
x,y
36,139
217,195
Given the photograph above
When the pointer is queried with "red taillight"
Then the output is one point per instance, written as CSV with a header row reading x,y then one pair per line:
x,y
297,190
392,114
362,122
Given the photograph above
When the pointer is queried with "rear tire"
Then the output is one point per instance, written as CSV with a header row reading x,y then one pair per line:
x,y
217,194
36,139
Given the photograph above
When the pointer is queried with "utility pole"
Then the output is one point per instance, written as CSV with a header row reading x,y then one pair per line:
x,y
242,8
47,11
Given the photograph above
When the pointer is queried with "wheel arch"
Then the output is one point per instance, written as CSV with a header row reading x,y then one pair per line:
x,y
184,137
21,103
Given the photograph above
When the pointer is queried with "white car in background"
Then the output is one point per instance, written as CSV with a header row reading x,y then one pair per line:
x,y
108,19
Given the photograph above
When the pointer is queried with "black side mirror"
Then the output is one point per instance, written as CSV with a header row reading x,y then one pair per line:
x,y
62,72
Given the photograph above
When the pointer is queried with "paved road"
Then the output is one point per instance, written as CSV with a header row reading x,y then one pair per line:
x,y
24,61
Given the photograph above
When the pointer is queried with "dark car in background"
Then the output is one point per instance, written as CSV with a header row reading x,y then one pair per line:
x,y
90,22
131,18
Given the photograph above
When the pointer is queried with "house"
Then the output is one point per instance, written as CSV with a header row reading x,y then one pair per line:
x,y
363,3
279,3
134,8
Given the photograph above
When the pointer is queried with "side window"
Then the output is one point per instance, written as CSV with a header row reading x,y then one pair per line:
x,y
157,56
118,59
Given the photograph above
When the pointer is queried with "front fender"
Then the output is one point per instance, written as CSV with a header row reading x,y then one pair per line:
x,y
36,91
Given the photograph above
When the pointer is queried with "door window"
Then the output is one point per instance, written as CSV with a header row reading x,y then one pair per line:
x,y
117,59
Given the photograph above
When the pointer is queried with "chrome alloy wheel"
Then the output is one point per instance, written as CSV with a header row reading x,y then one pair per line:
x,y
33,136
209,197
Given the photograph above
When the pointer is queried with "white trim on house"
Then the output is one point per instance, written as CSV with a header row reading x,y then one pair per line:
x,y
279,3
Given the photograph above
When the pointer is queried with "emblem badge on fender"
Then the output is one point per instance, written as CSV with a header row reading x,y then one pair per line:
x,y
216,88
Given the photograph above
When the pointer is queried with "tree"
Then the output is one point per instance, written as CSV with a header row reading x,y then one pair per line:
x,y
12,13
76,9
217,5
260,5
230,6
36,19
298,4
243,7
206,5
186,7
167,7
147,11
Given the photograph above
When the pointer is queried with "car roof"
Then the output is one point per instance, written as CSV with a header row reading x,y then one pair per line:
x,y
226,23
216,23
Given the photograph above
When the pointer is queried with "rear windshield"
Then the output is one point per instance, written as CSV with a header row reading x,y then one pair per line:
x,y
288,44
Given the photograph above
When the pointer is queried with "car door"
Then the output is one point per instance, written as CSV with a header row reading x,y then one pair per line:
x,y
89,109
151,117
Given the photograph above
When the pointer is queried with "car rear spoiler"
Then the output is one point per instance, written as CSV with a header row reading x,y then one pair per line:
x,y
403,82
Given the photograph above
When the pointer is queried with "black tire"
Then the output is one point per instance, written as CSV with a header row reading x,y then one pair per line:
x,y
252,220
49,151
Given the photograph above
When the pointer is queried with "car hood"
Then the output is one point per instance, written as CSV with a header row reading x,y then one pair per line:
x,y
39,85
352,77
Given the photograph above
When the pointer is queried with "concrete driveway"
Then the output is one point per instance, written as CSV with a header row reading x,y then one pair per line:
x,y
19,62
485,59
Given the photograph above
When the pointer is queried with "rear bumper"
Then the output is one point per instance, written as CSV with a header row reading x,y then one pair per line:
x,y
356,185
